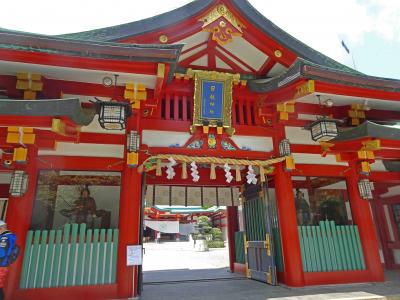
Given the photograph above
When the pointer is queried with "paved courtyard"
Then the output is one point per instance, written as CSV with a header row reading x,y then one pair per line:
x,y
177,261
175,271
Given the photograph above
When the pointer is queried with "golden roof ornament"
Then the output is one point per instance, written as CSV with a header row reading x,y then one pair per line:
x,y
222,24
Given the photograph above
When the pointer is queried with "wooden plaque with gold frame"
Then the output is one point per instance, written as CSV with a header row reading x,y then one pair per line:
x,y
213,98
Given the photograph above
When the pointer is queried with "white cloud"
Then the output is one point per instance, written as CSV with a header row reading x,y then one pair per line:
x,y
321,24
57,17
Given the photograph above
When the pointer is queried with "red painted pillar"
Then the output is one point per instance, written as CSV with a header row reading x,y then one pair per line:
x,y
129,226
380,224
362,217
19,214
232,228
293,274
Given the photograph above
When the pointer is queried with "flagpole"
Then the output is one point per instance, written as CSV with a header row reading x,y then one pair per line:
x,y
354,63
348,52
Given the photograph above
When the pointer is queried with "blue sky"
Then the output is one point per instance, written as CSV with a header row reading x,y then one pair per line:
x,y
370,28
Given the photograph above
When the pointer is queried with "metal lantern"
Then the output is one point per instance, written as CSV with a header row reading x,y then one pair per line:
x,y
323,130
365,189
113,115
133,142
284,148
19,183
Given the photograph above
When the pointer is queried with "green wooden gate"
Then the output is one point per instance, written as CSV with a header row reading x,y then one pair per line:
x,y
328,247
259,242
239,247
69,257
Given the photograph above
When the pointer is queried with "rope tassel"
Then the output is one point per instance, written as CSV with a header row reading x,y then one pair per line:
x,y
184,171
158,168
238,176
262,174
213,175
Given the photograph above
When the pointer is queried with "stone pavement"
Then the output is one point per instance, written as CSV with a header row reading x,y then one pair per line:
x,y
244,289
174,271
181,255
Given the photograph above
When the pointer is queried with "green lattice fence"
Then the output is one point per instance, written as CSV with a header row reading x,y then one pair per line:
x,y
278,249
69,257
329,247
239,247
254,212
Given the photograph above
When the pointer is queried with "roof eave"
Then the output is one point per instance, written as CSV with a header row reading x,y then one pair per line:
x,y
285,39
130,52
124,31
70,108
303,69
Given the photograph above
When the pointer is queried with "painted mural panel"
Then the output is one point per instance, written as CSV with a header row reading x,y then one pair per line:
x,y
320,199
76,197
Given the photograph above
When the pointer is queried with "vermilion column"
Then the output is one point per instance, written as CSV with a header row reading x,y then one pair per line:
x,y
362,217
293,266
294,275
129,226
19,214
231,212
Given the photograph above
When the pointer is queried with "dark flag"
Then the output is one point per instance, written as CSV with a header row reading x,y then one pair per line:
x,y
345,47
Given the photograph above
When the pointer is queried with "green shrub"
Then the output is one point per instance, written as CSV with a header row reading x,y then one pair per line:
x,y
217,234
203,220
207,229
215,244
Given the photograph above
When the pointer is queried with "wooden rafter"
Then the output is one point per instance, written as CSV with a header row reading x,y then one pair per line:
x,y
267,66
230,63
194,47
236,58
187,61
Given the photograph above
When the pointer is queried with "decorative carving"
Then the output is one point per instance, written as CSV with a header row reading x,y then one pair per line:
x,y
212,142
305,89
135,93
278,53
30,83
163,38
196,144
357,114
227,146
222,24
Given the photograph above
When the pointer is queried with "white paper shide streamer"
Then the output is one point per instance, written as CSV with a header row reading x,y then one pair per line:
x,y
170,168
228,174
251,177
195,172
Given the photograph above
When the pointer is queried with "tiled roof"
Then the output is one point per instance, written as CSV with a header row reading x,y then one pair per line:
x,y
95,49
50,108
123,31
305,69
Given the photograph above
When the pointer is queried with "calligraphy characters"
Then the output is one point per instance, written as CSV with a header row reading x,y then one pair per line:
x,y
212,100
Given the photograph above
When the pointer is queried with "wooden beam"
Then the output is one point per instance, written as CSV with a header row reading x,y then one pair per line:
x,y
236,58
194,47
204,174
162,74
132,67
319,170
237,154
267,66
187,61
339,89
385,177
235,67
80,163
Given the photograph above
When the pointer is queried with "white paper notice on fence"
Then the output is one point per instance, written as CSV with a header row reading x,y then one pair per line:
x,y
133,255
